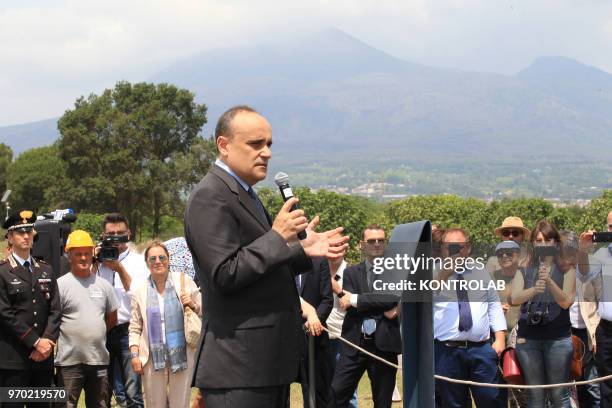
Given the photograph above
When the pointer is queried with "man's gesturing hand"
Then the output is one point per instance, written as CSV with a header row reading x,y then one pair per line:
x,y
329,243
288,223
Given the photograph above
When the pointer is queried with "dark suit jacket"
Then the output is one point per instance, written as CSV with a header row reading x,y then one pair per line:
x,y
316,288
29,310
387,336
251,327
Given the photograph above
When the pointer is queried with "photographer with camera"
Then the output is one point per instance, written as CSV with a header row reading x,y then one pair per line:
x,y
544,344
596,269
124,270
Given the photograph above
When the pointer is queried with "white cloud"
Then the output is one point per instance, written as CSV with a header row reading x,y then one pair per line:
x,y
52,52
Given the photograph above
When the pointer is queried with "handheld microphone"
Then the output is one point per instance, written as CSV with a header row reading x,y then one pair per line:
x,y
282,181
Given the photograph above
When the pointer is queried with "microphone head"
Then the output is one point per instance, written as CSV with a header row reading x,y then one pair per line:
x,y
281,178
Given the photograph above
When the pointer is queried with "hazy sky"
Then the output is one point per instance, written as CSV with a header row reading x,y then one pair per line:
x,y
52,51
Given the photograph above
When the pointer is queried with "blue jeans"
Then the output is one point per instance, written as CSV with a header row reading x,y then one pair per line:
x,y
118,348
333,355
476,363
118,383
546,362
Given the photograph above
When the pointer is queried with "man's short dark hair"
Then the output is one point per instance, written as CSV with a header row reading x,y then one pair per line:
x,y
225,121
114,218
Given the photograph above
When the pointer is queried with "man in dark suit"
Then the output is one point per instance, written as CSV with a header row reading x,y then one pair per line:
x,y
314,288
29,311
252,339
370,322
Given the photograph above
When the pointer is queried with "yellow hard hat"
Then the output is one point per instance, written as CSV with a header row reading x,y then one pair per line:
x,y
79,239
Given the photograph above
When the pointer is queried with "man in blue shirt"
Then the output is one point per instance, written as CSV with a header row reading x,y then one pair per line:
x,y
462,326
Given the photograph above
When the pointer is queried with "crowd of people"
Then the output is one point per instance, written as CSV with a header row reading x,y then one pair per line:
x,y
119,326
551,309
104,327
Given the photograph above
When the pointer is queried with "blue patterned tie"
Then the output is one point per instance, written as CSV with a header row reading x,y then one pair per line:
x,y
465,314
368,327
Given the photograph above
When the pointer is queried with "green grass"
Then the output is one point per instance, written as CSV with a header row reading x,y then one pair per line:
x,y
364,395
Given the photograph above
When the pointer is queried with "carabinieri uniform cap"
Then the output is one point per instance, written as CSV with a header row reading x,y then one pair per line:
x,y
22,221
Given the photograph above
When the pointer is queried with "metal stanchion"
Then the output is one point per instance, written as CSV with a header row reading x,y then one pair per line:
x,y
311,372
414,239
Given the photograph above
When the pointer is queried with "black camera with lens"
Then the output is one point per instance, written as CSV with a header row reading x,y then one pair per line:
x,y
545,250
537,317
108,251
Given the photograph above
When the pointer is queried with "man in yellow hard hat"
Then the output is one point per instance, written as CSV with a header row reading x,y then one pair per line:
x,y
88,308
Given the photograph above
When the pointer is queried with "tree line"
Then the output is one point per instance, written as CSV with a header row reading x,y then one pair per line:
x,y
138,149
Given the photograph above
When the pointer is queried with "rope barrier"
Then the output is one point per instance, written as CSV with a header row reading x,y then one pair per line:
x,y
382,360
523,387
477,384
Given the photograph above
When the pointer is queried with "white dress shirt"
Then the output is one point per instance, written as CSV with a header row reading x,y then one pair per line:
x,y
136,267
22,261
575,316
336,317
486,309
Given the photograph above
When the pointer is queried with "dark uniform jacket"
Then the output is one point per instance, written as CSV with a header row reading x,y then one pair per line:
x,y
29,310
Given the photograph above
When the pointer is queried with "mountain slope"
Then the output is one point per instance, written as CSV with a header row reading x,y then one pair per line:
x,y
330,96
28,135
331,91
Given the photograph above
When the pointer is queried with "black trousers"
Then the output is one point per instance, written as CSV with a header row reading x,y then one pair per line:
x,y
350,369
258,397
26,378
603,358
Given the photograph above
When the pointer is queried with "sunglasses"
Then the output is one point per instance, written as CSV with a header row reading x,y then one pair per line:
x,y
509,254
153,258
376,241
514,233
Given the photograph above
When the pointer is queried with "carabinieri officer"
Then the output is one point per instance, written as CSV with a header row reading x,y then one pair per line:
x,y
29,310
